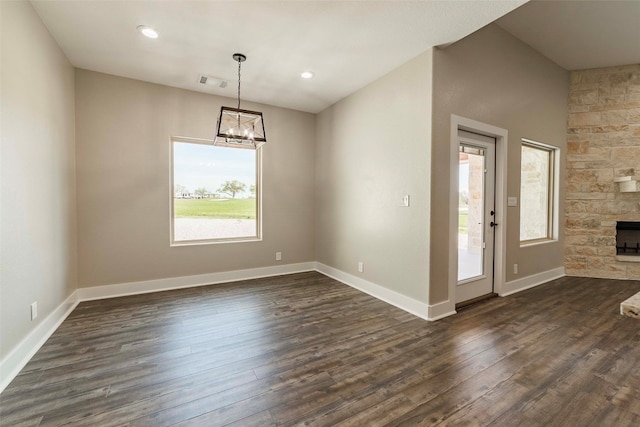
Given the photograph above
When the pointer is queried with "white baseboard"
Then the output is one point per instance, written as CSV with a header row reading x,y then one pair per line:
x,y
13,363
403,302
531,281
146,286
441,310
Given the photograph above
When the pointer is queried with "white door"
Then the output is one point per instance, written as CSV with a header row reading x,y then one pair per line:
x,y
476,214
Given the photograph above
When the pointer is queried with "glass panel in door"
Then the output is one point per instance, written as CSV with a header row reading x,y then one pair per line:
x,y
471,212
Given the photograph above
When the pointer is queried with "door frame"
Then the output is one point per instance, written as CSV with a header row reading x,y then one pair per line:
x,y
471,285
501,136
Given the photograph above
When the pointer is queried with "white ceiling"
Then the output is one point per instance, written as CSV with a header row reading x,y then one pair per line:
x,y
580,34
347,44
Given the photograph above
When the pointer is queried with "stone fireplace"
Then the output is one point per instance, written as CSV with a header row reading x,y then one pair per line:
x,y
603,173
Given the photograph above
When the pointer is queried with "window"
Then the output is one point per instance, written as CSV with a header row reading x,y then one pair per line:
x,y
537,184
215,193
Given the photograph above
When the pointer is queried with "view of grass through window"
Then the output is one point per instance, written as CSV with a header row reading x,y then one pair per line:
x,y
214,192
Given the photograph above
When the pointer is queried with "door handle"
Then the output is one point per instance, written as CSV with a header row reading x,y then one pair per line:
x,y
493,224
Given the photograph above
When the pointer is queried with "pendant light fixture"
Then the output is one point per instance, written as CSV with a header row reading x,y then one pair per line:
x,y
240,128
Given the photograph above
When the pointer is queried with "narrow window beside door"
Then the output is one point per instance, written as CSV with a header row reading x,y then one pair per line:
x,y
537,192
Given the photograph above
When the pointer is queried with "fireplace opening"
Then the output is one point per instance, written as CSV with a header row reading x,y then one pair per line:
x,y
628,238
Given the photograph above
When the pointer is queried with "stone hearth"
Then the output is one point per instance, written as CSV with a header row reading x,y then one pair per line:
x,y
631,307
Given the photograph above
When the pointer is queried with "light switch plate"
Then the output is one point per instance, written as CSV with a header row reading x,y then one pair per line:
x,y
512,201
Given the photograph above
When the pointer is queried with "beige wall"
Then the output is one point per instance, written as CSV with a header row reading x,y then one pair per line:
x,y
38,226
603,144
492,77
332,183
372,148
123,136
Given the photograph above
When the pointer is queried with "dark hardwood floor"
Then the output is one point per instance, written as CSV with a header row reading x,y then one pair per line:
x,y
305,349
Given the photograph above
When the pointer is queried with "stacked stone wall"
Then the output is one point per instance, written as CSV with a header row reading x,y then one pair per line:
x,y
603,144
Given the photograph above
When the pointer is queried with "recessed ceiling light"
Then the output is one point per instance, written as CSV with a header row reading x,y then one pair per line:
x,y
147,31
307,74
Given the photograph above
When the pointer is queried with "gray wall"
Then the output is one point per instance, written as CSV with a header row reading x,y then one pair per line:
x,y
372,148
492,77
38,213
123,137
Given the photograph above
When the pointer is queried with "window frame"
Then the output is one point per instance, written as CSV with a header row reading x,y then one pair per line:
x,y
258,195
552,192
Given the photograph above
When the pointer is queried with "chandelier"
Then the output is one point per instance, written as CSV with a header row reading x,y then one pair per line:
x,y
239,128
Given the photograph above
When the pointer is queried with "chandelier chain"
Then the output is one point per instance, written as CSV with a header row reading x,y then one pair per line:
x,y
239,65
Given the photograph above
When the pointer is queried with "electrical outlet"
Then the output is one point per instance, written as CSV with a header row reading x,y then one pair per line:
x,y
515,268
278,256
34,310
404,201
360,267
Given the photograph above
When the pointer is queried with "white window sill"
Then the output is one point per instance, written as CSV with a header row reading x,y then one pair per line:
x,y
538,242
